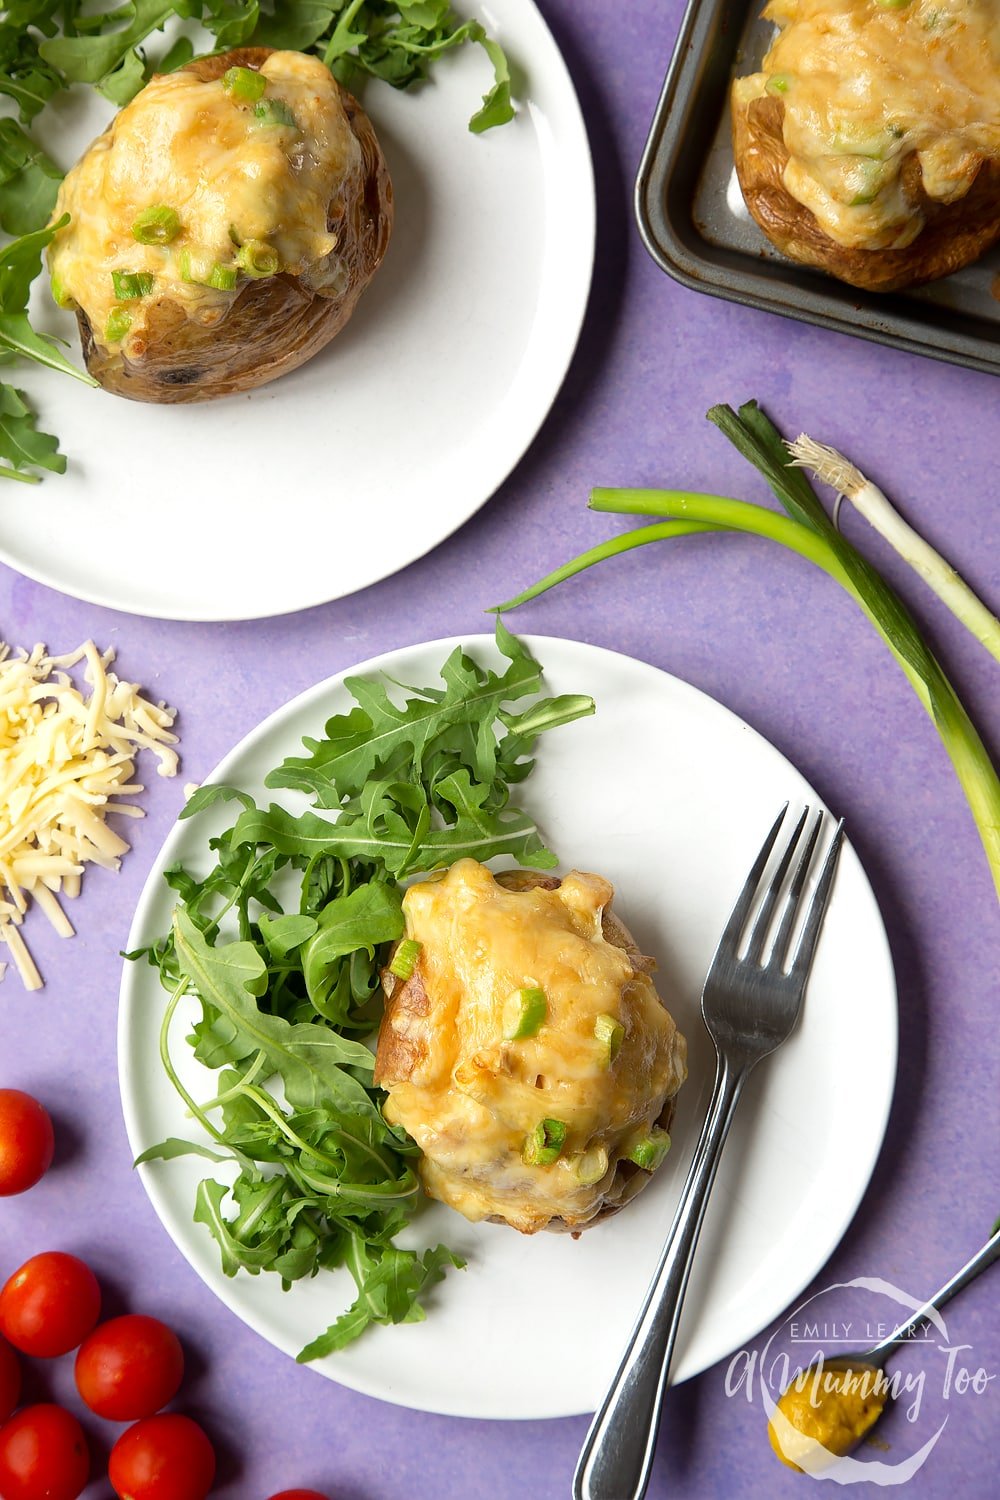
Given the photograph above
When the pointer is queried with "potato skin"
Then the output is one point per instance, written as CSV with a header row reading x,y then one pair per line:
x,y
954,234
274,325
396,1055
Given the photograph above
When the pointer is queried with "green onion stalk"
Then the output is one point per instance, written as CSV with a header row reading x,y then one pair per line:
x,y
808,530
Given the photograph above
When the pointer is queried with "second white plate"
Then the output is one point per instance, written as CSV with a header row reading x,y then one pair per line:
x,y
346,470
669,795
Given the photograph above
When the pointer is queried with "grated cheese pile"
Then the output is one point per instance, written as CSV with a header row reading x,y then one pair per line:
x,y
65,761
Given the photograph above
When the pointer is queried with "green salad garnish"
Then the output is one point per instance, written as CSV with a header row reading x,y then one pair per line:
x,y
281,942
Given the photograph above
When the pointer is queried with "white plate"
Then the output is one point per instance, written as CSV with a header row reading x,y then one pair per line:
x,y
363,460
669,795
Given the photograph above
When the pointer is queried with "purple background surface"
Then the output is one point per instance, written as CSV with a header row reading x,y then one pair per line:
x,y
758,629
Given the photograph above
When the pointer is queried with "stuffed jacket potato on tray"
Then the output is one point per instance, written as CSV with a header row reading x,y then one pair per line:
x,y
868,145
222,228
525,1048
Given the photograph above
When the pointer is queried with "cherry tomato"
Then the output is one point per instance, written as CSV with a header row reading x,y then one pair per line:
x,y
43,1455
129,1367
10,1380
26,1142
162,1458
49,1305
300,1495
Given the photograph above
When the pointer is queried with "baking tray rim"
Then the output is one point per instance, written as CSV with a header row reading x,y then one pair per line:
x,y
745,285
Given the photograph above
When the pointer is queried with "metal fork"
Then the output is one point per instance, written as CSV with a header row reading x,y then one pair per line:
x,y
750,1004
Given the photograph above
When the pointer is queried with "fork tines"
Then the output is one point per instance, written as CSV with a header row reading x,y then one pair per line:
x,y
790,898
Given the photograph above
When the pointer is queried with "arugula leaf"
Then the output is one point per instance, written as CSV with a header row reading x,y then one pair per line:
x,y
20,263
172,1147
389,1282
24,76
307,1058
392,40
21,442
90,59
459,720
123,82
322,1178
29,181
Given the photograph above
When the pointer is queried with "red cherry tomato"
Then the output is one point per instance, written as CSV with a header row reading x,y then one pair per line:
x,y
129,1367
26,1142
49,1305
43,1455
162,1458
10,1380
300,1495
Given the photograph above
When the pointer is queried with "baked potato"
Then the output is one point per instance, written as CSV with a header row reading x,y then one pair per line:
x,y
525,1048
869,143
222,228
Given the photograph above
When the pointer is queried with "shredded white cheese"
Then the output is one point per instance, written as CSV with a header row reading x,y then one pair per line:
x,y
66,761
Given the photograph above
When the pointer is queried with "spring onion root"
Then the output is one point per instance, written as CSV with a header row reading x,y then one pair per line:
x,y
840,474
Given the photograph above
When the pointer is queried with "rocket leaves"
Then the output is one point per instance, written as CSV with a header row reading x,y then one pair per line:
x,y
279,947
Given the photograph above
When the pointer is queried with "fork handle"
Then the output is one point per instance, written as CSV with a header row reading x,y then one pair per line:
x,y
617,1456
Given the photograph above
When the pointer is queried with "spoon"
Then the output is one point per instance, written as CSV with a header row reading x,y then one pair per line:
x,y
792,1443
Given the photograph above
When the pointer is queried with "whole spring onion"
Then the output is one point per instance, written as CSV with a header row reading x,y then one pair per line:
x,y
258,259
158,225
244,83
129,286
524,1013
808,530
839,473
544,1145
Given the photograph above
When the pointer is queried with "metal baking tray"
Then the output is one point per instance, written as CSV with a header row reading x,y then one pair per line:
x,y
695,224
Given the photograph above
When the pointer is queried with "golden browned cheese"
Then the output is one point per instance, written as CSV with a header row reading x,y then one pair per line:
x,y
866,84
470,1097
187,144
824,1413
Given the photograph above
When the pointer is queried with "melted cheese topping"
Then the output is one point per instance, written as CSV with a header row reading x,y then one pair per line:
x,y
471,1097
230,178
65,761
865,85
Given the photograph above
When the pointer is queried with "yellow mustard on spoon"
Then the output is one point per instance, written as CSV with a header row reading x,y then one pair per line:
x,y
825,1413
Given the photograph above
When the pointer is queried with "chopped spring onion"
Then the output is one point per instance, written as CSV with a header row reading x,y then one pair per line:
x,y
131,285
806,528
610,1034
221,278
244,83
590,1166
650,1151
118,324
404,960
543,1146
274,112
258,259
157,225
840,474
779,83
60,296
524,1014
